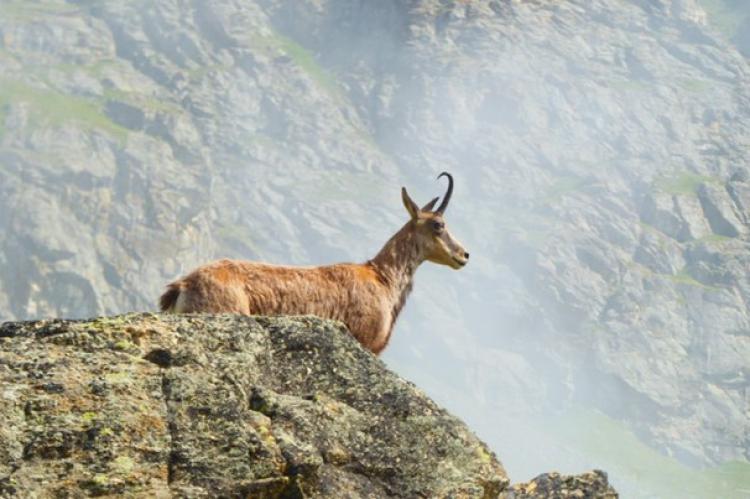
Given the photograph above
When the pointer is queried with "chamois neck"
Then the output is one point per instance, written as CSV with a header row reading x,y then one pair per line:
x,y
397,262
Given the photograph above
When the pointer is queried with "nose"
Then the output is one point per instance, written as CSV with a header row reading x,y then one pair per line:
x,y
466,255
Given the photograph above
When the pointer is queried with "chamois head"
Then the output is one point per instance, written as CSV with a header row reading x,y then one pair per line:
x,y
432,236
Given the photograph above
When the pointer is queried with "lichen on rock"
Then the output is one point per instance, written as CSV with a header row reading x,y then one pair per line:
x,y
199,406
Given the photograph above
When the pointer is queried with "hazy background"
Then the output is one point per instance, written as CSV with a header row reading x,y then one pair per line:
x,y
602,187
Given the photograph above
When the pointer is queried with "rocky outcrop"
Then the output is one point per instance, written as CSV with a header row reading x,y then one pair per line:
x,y
202,406
554,485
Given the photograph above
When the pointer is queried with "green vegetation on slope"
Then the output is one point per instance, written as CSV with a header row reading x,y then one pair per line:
x,y
694,85
302,58
681,183
306,61
141,101
29,11
685,277
53,108
608,442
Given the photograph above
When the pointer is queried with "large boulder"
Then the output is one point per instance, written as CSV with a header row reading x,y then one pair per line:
x,y
200,406
597,147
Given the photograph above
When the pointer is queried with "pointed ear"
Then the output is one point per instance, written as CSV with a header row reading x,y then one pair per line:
x,y
410,205
428,206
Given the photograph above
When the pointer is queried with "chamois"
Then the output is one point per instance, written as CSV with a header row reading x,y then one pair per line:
x,y
366,297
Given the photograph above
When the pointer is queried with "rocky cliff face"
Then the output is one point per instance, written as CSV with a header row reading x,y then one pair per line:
x,y
600,150
159,406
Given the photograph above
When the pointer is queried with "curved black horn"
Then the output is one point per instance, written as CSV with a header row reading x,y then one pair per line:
x,y
448,193
429,205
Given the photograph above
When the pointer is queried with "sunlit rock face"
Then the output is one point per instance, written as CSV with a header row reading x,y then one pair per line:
x,y
222,406
599,149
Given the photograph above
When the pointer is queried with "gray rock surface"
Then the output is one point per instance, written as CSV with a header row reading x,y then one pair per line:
x,y
596,146
201,406
553,485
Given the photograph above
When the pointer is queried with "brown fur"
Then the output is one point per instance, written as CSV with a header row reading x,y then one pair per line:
x,y
169,298
366,297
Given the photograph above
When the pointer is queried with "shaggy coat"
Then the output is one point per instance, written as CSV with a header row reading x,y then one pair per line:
x,y
367,297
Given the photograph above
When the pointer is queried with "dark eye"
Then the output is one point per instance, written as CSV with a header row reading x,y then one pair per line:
x,y
438,226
